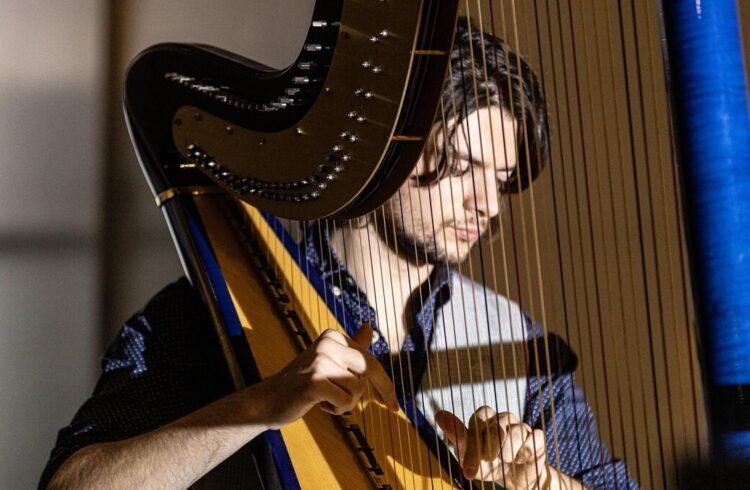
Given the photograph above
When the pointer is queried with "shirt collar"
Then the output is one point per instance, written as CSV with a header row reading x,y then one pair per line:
x,y
341,285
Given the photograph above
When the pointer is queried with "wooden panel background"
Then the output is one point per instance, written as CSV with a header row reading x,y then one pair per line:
x,y
594,250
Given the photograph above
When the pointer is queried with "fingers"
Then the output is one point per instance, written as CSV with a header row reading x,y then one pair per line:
x,y
347,381
475,445
334,399
522,445
363,338
485,437
533,447
352,357
525,462
494,444
454,430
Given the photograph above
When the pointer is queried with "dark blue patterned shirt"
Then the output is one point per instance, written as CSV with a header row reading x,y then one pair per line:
x,y
166,362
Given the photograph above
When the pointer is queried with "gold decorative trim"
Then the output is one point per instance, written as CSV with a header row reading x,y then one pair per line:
x,y
403,137
173,192
430,52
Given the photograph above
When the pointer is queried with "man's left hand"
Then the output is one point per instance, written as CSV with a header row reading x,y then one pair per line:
x,y
498,447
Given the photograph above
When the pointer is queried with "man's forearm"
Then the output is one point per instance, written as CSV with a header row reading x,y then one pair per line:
x,y
173,456
330,373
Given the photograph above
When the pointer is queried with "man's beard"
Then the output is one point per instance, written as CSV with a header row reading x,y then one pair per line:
x,y
418,250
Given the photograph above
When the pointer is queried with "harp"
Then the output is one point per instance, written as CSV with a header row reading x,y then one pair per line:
x,y
209,125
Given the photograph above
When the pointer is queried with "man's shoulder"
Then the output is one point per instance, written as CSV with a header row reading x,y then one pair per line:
x,y
179,292
178,303
173,323
474,303
481,295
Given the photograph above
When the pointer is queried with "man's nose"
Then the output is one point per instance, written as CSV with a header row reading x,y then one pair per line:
x,y
483,197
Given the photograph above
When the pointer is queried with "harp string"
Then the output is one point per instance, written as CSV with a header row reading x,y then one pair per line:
x,y
507,173
504,256
514,231
537,255
618,240
557,219
596,253
661,319
449,369
454,119
660,436
641,233
534,224
543,302
391,322
553,170
552,166
362,405
410,313
421,303
664,316
682,279
328,248
473,91
649,443
521,127
575,289
365,286
467,137
594,318
411,288
365,409
534,228
381,314
339,326
481,144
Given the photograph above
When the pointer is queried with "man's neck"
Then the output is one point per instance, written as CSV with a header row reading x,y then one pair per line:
x,y
386,276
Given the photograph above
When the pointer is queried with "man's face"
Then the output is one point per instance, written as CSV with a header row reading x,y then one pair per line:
x,y
443,220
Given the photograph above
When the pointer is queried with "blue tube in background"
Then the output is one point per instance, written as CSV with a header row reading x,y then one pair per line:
x,y
706,59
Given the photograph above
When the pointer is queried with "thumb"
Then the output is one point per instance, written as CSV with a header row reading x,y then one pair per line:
x,y
454,429
363,338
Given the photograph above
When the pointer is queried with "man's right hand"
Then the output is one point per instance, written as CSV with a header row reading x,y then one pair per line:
x,y
331,373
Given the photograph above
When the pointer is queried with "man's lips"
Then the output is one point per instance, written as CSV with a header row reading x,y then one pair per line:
x,y
467,234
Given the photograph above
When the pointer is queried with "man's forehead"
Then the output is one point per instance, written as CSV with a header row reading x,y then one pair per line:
x,y
484,135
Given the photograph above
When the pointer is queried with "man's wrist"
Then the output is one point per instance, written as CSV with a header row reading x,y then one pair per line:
x,y
255,404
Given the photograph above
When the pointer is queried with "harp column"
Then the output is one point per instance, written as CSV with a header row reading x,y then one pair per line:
x,y
709,93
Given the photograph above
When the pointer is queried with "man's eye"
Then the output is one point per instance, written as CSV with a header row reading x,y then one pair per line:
x,y
425,167
506,175
461,166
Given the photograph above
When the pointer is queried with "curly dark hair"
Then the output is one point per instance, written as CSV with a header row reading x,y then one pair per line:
x,y
503,79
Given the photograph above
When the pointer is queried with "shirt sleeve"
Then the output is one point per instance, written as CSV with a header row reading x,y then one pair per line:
x,y
164,363
572,435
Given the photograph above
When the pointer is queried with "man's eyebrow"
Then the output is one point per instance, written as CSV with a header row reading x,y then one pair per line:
x,y
502,173
470,158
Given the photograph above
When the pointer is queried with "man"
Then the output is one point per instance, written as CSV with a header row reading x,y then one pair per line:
x,y
160,416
